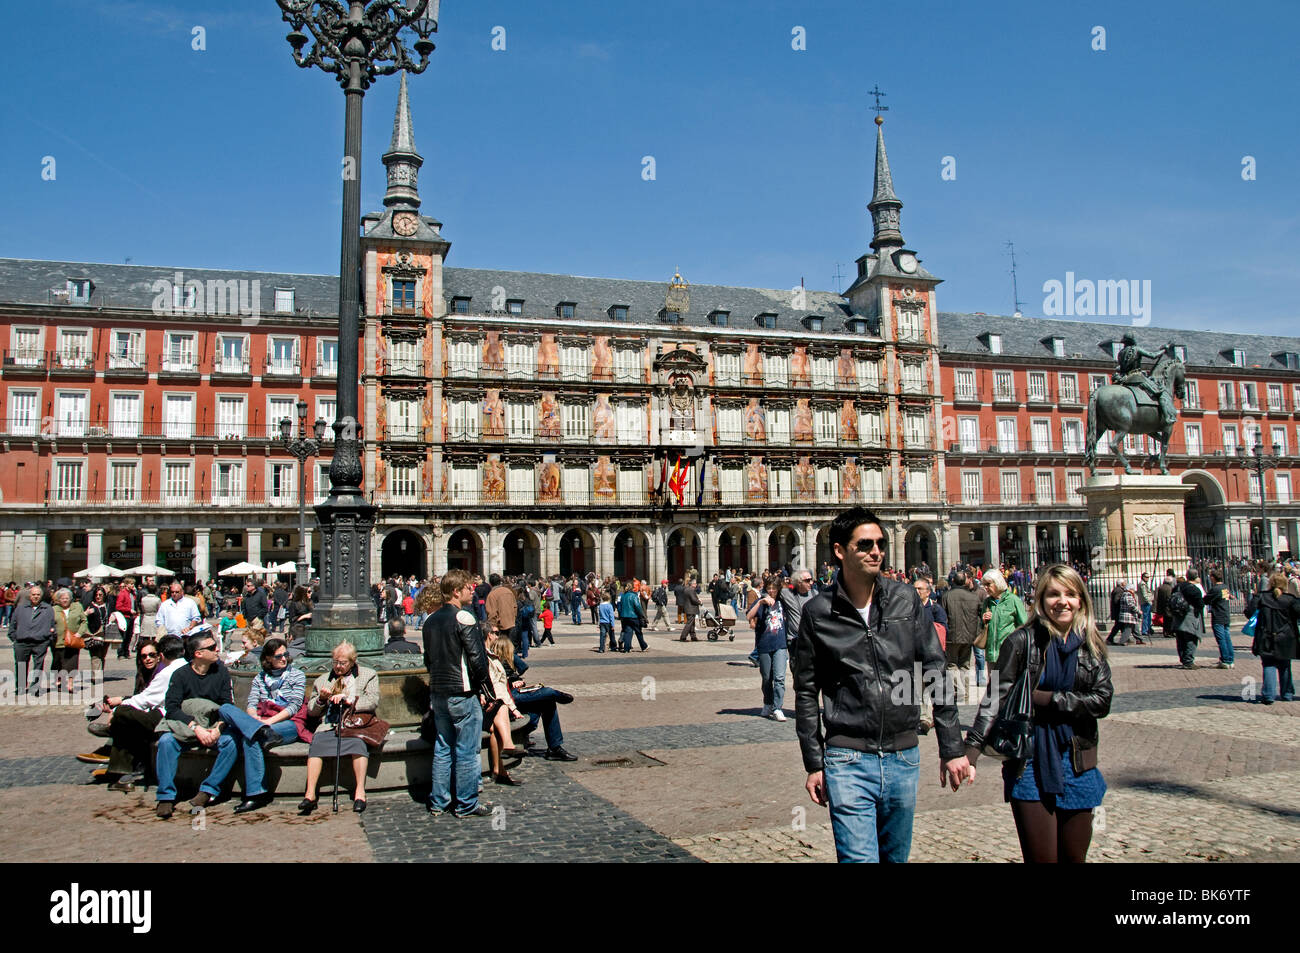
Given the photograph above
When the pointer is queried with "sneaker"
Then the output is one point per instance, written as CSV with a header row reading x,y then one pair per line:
x,y
482,809
1225,665
779,715
1190,666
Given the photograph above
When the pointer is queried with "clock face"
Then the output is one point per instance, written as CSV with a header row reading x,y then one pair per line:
x,y
907,263
405,223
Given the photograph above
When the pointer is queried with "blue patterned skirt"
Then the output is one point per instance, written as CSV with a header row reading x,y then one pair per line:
x,y
1083,792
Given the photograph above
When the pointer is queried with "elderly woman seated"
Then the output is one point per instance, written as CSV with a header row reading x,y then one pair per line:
x,y
346,687
274,698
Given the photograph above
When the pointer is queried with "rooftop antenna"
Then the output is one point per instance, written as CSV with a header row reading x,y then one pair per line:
x,y
1015,287
838,279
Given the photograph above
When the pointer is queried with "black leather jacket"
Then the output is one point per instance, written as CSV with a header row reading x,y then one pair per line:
x,y
867,678
454,653
1089,701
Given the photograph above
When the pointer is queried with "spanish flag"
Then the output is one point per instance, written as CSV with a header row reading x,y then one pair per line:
x,y
677,482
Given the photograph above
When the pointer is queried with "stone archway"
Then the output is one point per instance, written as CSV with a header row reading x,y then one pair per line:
x,y
577,553
734,551
920,547
522,552
402,553
465,552
1203,511
683,554
631,556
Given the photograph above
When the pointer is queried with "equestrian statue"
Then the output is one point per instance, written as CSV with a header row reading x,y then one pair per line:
x,y
1136,403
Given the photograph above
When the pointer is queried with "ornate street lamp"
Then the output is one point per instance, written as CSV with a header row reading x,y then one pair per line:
x,y
355,41
1260,460
301,448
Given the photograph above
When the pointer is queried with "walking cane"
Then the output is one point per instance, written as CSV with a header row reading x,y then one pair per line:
x,y
338,753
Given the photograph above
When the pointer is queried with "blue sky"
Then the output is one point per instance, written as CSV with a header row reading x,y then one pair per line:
x,y
1117,164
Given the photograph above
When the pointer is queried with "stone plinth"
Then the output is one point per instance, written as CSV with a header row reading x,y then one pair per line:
x,y
1135,524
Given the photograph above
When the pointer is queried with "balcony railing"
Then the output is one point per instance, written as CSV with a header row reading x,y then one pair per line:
x,y
129,360
24,360
72,360
1007,395
282,367
231,365
114,429
404,366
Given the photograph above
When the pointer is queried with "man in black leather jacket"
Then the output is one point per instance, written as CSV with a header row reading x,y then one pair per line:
x,y
456,657
860,646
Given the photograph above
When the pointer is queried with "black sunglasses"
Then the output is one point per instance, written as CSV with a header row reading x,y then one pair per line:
x,y
867,545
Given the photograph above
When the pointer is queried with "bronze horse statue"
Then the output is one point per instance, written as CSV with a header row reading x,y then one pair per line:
x,y
1115,407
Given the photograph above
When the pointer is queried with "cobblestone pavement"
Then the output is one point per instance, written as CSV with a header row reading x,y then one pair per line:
x,y
676,765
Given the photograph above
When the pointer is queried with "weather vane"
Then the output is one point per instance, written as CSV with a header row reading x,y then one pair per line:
x,y
876,91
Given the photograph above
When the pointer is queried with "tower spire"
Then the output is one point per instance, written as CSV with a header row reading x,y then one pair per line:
x,y
884,205
401,159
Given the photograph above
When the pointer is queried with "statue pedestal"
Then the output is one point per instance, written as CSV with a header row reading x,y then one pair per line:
x,y
1135,525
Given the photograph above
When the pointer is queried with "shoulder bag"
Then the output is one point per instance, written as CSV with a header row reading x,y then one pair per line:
x,y
366,726
1012,732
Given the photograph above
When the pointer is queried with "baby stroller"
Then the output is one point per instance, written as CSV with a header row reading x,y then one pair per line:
x,y
721,624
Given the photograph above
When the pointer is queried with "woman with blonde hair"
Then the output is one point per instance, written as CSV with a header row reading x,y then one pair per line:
x,y
1054,791
1276,638
501,659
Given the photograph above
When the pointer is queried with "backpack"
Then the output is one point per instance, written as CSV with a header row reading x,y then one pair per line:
x,y
1178,604
660,596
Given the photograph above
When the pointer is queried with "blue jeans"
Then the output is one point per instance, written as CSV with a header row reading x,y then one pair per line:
x,y
771,665
1224,637
576,605
459,723
607,631
169,753
1146,620
1277,679
539,705
632,627
980,677
254,762
872,801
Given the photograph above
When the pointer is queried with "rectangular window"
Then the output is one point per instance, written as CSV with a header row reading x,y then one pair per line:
x,y
577,484
1238,357
284,301
913,378
825,427
918,486
465,484
277,409
1038,386
464,420
404,481
1227,400
968,434
730,429
176,482
1058,347
327,357
521,360
227,482
27,346
178,415
731,483
823,373
1283,484
283,357
327,410
1249,395
403,357
232,354
1043,487
868,374
519,420
1069,386
871,428
1192,437
1073,481
515,306
403,419
1095,381
873,485
74,348
727,369
995,343
1275,397
629,418
520,480
1072,436
778,426
828,485
1193,399
126,351
776,370
67,481
1004,387
403,299
909,326
1009,484
124,415
1230,440
24,413
179,355
122,480
965,384
971,487
914,430
1040,434
230,417
322,482
463,358
574,363
282,484
1007,435
627,366
1277,439
577,422
72,412
1252,437
779,485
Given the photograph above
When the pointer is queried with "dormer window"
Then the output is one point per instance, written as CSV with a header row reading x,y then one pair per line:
x,y
813,322
765,320
564,309
856,325
618,312
515,306
995,344
1289,359
460,305
284,301
1238,357
719,318
1058,346
1180,352
671,317
79,290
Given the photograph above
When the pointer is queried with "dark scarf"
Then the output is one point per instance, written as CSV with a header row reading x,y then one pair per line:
x,y
1052,731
